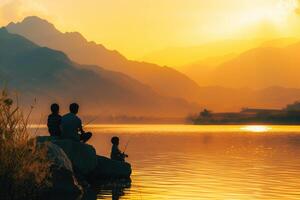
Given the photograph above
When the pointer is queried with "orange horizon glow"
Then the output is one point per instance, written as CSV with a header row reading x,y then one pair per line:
x,y
139,27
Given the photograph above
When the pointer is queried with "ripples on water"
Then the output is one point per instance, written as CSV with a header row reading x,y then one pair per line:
x,y
206,162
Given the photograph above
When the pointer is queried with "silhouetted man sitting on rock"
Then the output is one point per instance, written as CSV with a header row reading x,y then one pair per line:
x,y
54,121
116,154
71,126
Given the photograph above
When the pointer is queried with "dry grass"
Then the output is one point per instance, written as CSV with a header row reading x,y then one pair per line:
x,y
24,169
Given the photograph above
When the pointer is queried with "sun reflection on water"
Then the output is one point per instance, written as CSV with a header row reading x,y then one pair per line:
x,y
256,128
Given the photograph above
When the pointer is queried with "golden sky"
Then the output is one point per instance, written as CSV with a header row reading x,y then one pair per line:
x,y
139,27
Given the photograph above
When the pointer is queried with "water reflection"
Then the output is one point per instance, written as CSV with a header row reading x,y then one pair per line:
x,y
211,162
114,189
205,162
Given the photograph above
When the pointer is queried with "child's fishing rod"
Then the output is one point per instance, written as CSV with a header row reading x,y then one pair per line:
x,y
127,144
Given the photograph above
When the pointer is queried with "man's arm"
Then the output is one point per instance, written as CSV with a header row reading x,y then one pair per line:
x,y
80,127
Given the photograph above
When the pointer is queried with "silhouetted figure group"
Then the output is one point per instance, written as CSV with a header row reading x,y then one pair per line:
x,y
70,127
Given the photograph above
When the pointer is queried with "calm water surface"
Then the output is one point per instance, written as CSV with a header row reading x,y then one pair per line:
x,y
205,162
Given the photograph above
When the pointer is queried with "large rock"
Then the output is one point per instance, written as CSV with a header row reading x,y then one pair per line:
x,y
62,180
110,169
87,163
82,156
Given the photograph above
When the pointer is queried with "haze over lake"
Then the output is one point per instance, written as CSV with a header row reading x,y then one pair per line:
x,y
201,162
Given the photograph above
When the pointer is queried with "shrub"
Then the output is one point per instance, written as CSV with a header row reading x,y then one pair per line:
x,y
24,169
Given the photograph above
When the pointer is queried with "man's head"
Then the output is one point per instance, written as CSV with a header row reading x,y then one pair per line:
x,y
115,140
54,108
74,107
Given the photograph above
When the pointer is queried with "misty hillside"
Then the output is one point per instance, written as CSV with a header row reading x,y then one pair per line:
x,y
260,68
181,56
50,75
273,63
163,80
223,99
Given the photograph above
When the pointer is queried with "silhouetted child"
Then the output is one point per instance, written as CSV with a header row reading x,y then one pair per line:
x,y
54,120
116,154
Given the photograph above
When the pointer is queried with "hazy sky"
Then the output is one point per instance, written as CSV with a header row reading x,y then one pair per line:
x,y
137,27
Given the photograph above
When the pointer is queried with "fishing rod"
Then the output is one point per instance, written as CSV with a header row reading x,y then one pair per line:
x,y
127,144
92,120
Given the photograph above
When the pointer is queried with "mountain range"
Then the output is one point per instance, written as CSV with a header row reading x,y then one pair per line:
x,y
50,76
164,80
228,82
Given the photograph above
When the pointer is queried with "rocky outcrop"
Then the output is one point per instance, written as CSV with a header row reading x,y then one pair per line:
x,y
74,162
61,179
111,169
82,156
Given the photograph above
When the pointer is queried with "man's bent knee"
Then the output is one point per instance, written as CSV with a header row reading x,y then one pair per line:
x,y
84,137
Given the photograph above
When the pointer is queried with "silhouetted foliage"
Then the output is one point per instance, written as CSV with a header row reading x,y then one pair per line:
x,y
206,113
293,107
23,166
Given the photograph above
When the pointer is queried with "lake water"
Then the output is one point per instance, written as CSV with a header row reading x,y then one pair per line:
x,y
205,162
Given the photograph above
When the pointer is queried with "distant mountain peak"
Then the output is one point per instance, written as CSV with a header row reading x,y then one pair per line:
x,y
35,19
31,19
35,24
42,32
